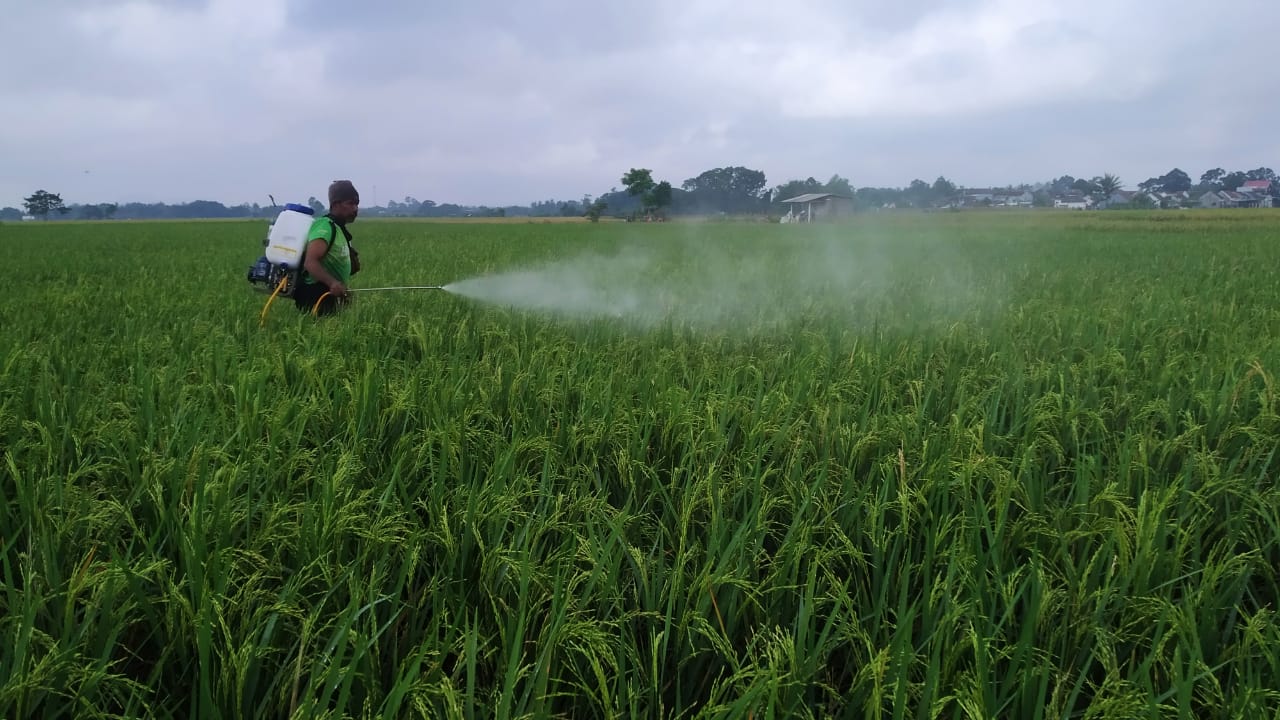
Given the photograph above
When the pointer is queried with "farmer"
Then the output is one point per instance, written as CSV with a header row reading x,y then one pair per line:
x,y
331,259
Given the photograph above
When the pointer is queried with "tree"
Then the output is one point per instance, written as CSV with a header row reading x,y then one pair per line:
x,y
41,203
1107,185
1087,187
653,196
1213,178
204,209
1175,181
660,196
1063,184
943,190
595,209
794,188
638,182
1262,173
727,189
839,186
620,202
918,193
1150,184
1233,181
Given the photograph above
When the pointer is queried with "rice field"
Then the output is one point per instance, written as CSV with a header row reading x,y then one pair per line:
x,y
955,465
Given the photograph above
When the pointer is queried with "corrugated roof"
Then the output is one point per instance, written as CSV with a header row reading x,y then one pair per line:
x,y
810,197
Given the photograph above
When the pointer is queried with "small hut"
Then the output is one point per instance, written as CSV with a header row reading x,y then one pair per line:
x,y
816,207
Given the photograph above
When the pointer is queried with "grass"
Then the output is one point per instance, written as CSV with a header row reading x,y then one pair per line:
x,y
957,466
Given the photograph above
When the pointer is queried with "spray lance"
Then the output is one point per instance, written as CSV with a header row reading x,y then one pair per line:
x,y
316,308
405,287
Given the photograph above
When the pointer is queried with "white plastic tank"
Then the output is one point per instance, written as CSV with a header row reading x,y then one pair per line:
x,y
287,240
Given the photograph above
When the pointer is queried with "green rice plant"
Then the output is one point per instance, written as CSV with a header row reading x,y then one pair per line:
x,y
960,465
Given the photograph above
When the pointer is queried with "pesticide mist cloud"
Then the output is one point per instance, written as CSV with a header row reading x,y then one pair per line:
x,y
587,286
752,286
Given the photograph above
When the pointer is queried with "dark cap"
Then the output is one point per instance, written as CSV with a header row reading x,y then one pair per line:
x,y
342,191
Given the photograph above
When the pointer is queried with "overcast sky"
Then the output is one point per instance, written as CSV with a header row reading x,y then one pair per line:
x,y
232,100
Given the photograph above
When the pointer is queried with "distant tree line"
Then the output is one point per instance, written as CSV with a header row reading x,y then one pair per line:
x,y
731,190
1176,180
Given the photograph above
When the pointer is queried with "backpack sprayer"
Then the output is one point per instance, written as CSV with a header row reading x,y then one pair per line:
x,y
286,242
279,270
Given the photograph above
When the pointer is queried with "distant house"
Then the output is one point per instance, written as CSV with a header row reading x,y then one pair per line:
x,y
1014,198
1233,199
815,207
1258,191
996,197
1071,201
1119,198
1211,199
978,196
1248,199
1150,199
1175,199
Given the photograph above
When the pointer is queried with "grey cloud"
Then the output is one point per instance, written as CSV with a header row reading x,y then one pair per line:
x,y
556,98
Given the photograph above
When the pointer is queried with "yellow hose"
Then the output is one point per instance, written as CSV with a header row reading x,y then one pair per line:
x,y
315,309
262,319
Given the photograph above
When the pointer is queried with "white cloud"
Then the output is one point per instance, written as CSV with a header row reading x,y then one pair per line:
x,y
974,58
219,67
231,99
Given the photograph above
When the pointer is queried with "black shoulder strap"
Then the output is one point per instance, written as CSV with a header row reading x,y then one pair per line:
x,y
333,230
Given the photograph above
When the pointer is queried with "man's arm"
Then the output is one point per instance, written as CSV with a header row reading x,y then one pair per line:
x,y
315,251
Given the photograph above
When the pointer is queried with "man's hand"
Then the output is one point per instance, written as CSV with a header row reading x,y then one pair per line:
x,y
337,289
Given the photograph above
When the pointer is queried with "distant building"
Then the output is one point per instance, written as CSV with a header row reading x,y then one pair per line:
x,y
1258,191
978,196
1015,198
815,207
1071,201
1171,200
1211,199
1118,198
996,197
1235,199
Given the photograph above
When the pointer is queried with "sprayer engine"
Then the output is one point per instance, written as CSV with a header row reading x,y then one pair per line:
x,y
265,276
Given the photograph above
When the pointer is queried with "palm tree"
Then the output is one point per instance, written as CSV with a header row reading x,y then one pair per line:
x,y
1106,186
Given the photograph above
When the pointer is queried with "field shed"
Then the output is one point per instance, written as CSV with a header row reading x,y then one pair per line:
x,y
814,207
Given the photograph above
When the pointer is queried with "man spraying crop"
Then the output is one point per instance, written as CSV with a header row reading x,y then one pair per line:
x,y
330,259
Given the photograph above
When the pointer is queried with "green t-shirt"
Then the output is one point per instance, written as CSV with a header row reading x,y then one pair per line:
x,y
338,260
